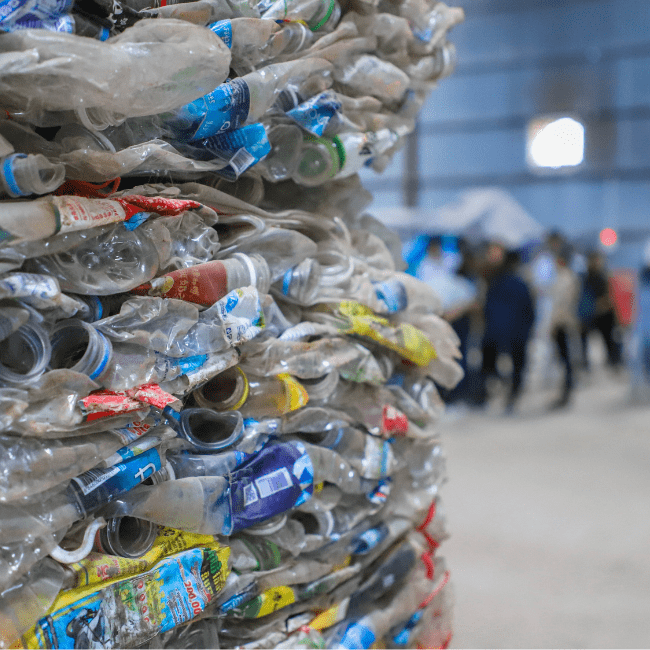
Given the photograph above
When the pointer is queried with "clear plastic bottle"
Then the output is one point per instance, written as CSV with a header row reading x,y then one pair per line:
x,y
439,65
199,12
345,154
370,75
190,51
321,388
305,360
118,259
319,161
371,456
270,483
117,366
292,38
29,600
24,354
429,24
83,495
242,100
205,284
320,15
247,38
72,23
22,175
301,283
331,467
188,465
50,215
254,396
281,248
29,466
249,187
12,317
273,396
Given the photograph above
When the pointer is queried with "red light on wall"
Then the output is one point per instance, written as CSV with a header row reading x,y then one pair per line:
x,y
608,236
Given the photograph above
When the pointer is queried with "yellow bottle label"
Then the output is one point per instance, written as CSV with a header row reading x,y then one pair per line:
x,y
331,616
268,602
294,394
405,339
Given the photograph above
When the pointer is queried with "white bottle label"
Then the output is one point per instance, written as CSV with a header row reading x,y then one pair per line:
x,y
79,213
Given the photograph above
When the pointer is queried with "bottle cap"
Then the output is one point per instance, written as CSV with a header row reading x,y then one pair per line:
x,y
321,159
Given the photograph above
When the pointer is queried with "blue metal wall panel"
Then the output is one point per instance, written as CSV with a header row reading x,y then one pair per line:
x,y
522,58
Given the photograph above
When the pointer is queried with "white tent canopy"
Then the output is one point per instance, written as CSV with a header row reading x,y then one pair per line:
x,y
481,214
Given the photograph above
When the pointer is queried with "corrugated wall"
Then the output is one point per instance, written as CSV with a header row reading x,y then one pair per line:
x,y
522,58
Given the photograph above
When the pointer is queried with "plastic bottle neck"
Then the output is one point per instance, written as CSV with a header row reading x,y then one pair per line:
x,y
226,392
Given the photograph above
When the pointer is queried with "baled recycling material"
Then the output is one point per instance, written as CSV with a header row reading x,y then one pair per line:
x,y
218,388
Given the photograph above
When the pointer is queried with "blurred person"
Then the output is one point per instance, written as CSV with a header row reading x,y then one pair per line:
x,y
597,310
640,342
455,290
463,318
643,311
565,293
508,319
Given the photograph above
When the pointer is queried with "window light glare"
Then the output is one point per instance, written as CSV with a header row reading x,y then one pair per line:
x,y
560,143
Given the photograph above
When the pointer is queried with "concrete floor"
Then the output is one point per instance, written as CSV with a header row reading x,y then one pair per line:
x,y
550,521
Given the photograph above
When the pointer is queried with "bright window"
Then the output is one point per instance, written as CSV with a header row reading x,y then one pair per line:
x,y
555,142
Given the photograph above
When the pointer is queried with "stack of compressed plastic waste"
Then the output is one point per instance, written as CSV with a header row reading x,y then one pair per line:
x,y
218,391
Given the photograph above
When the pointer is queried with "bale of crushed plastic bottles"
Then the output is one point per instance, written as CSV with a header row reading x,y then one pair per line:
x,y
218,388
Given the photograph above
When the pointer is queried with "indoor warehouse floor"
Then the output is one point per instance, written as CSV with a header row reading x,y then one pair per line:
x,y
549,515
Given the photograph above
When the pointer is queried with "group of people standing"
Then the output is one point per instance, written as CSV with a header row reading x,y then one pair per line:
x,y
548,297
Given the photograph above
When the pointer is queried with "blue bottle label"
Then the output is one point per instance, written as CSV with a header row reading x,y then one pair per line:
x,y
223,29
393,293
369,539
424,35
95,307
402,637
242,148
6,236
171,367
136,430
64,24
97,487
355,637
314,114
277,479
224,109
11,11
136,220
286,281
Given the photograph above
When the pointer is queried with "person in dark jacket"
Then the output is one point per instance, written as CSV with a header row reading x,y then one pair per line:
x,y
509,315
597,311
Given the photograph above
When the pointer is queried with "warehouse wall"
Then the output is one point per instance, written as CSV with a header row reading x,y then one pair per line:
x,y
522,58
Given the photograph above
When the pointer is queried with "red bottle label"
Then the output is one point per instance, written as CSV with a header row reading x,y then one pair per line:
x,y
202,284
394,422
